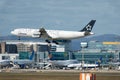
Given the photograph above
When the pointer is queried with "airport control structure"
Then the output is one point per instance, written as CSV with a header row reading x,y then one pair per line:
x,y
90,52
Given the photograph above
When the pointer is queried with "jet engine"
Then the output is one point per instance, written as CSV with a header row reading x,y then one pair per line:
x,y
36,34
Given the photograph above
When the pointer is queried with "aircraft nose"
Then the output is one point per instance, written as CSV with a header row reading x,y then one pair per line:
x,y
12,32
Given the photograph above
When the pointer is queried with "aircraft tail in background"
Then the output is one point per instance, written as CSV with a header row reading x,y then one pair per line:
x,y
32,55
99,61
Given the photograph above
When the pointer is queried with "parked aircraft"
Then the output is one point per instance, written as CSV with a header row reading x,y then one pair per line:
x,y
4,63
24,63
53,35
85,65
80,65
63,63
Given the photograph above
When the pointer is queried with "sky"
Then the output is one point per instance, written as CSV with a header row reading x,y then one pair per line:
x,y
70,15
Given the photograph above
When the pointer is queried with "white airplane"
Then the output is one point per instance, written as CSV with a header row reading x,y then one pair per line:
x,y
79,65
85,65
55,35
63,63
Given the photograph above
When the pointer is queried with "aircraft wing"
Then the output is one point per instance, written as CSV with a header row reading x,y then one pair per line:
x,y
44,34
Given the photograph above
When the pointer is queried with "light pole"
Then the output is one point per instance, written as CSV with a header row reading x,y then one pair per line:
x,y
83,46
82,58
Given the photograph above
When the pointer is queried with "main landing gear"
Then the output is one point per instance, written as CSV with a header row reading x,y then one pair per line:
x,y
52,41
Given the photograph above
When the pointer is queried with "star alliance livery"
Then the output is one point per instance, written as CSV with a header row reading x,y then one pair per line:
x,y
55,35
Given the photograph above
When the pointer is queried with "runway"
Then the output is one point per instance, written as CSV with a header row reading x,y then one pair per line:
x,y
56,75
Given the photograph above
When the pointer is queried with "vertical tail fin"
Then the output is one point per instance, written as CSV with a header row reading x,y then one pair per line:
x,y
99,61
100,58
89,26
32,55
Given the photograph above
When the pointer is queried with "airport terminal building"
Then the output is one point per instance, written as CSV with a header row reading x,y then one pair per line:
x,y
22,50
90,52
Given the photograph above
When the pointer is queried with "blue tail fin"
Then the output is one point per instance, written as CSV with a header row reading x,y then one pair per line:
x,y
99,60
32,55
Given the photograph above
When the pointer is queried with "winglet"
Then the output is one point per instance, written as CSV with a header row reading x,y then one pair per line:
x,y
89,26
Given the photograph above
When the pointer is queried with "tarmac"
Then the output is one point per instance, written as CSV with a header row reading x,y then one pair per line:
x,y
33,74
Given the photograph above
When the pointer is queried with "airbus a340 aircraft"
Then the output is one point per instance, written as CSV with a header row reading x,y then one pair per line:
x,y
55,34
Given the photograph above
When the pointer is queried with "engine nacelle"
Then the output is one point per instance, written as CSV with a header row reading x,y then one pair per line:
x,y
36,34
